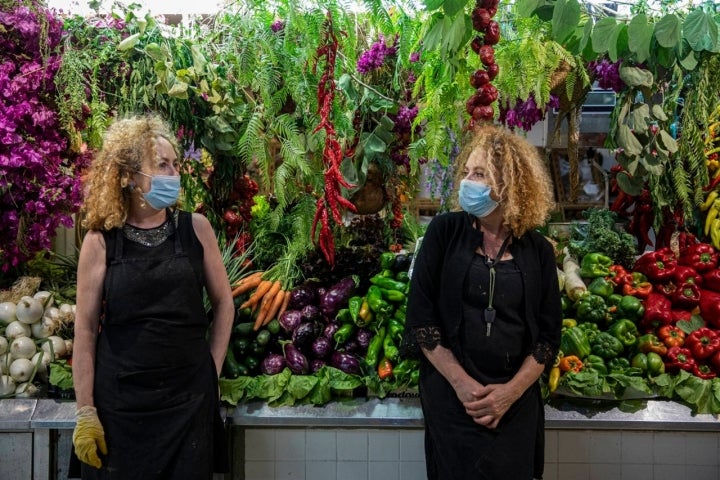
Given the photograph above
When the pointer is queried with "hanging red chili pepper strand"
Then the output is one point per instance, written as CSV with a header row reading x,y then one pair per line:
x,y
332,151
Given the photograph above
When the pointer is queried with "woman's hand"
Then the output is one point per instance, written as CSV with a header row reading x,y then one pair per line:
x,y
490,404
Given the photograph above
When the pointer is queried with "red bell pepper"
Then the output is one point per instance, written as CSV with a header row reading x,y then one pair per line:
x,y
700,256
671,336
637,285
715,361
685,274
703,342
686,295
703,371
710,307
679,358
657,311
711,280
678,315
658,266
618,275
667,289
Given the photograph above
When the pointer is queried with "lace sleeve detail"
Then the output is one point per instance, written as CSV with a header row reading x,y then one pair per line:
x,y
543,353
418,338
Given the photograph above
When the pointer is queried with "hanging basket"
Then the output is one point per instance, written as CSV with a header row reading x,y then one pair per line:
x,y
371,197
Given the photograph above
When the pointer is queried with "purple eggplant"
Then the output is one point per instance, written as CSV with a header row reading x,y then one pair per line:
x,y
321,347
296,361
337,296
302,295
311,313
363,337
346,362
330,329
290,320
305,334
316,364
273,364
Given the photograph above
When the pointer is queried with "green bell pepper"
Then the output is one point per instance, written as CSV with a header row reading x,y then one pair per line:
x,y
591,308
626,331
596,363
595,265
573,341
630,307
606,346
650,364
590,329
651,343
613,300
566,303
601,287
618,365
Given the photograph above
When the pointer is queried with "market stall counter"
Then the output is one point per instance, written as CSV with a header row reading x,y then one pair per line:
x,y
42,428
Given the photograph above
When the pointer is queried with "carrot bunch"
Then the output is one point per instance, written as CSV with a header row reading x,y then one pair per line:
x,y
267,300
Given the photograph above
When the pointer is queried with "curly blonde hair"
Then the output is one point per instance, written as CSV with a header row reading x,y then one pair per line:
x,y
127,143
517,173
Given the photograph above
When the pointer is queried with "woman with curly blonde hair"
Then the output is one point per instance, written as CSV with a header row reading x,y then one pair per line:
x,y
484,315
144,367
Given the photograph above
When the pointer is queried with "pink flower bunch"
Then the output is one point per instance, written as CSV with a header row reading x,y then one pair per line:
x,y
608,74
374,58
39,185
525,113
277,26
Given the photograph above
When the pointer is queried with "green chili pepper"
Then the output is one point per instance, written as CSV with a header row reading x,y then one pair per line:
x,y
373,352
387,259
354,305
387,283
402,277
392,295
399,315
344,316
395,329
365,315
391,351
376,302
344,333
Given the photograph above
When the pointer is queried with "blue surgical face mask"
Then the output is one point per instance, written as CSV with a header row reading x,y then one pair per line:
x,y
474,198
164,190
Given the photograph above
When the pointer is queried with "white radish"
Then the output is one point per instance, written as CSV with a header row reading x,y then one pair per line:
x,y
23,347
53,313
29,310
7,385
17,329
7,313
3,345
68,347
21,370
5,360
54,347
66,308
26,390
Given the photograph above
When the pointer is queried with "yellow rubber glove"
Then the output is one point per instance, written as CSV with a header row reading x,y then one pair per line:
x,y
89,436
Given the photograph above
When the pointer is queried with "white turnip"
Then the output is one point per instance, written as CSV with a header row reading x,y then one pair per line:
x,y
21,370
29,310
7,385
22,347
7,313
17,329
3,345
55,347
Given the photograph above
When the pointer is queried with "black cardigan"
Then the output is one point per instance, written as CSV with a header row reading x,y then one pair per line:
x,y
440,266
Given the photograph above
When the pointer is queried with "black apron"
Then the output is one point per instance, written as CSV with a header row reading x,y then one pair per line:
x,y
156,386
456,448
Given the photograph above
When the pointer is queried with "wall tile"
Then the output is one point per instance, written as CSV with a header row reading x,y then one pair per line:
x,y
259,470
669,448
383,471
290,444
412,446
551,471
352,471
670,472
573,446
551,446
636,472
315,470
412,471
573,471
701,449
290,470
604,447
383,446
352,445
701,472
321,445
605,471
637,448
260,444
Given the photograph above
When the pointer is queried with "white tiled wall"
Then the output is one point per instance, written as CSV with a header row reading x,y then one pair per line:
x,y
397,454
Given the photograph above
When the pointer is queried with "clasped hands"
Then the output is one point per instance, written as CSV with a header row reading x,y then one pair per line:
x,y
89,436
486,404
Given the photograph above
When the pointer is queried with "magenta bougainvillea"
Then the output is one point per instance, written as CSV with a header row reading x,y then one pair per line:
x,y
39,182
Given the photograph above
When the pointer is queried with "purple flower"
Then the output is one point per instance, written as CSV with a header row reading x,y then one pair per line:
x,y
277,26
414,57
607,74
374,58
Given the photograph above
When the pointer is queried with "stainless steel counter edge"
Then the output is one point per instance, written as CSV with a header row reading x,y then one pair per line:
x,y
29,414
